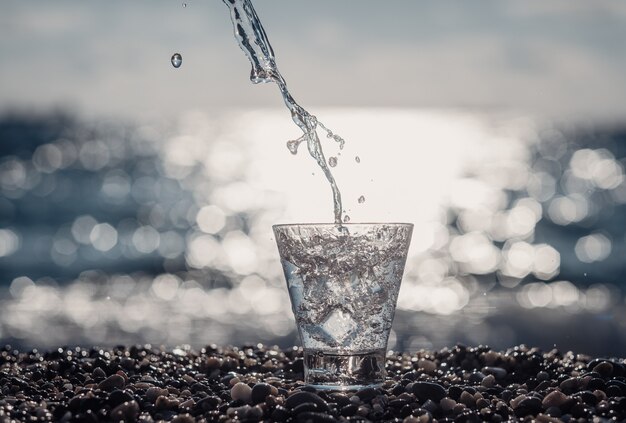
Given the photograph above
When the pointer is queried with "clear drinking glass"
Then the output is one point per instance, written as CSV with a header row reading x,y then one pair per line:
x,y
343,282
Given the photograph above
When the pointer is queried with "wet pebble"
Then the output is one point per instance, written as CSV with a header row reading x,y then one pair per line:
x,y
428,390
219,384
112,382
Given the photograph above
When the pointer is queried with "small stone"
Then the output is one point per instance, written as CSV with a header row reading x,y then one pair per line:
x,y
260,391
112,382
517,400
569,385
366,394
554,399
497,372
242,392
118,397
304,407
467,399
98,372
153,393
183,418
428,366
488,381
429,390
605,369
447,404
127,411
190,403
459,408
301,397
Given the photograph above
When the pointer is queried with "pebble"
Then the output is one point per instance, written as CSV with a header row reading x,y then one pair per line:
x,y
428,390
488,381
112,382
303,397
463,384
127,411
259,392
447,404
427,366
554,399
241,392
467,399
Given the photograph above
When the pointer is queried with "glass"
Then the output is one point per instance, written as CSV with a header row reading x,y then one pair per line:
x,y
343,282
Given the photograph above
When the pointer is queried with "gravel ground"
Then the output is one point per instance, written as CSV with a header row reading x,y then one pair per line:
x,y
259,383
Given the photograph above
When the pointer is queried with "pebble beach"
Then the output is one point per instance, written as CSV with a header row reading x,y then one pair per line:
x,y
261,383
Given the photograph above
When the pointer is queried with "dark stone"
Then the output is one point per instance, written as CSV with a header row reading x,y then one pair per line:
x,y
596,383
455,392
398,403
397,389
429,390
621,385
312,417
280,414
208,403
579,411
341,399
112,382
497,372
367,394
532,404
613,391
260,391
118,397
588,397
305,407
476,377
604,368
430,406
554,412
302,397
349,410
569,386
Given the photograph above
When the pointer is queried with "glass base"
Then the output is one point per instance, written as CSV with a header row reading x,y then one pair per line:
x,y
341,371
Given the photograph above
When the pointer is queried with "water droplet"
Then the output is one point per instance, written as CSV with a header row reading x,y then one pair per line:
x,y
362,199
332,162
184,4
177,60
346,219
357,159
292,146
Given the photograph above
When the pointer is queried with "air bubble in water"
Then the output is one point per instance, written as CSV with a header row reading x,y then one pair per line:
x,y
177,60
357,159
346,219
332,162
362,199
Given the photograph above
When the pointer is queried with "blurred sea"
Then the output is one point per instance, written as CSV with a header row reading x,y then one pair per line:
x,y
160,232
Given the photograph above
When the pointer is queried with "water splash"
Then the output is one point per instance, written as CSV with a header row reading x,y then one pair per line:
x,y
253,41
176,60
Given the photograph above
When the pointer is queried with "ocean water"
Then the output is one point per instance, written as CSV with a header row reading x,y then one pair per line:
x,y
161,232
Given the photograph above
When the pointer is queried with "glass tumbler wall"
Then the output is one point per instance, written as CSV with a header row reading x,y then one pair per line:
x,y
343,282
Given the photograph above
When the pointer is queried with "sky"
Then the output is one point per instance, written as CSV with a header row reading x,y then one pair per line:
x,y
560,58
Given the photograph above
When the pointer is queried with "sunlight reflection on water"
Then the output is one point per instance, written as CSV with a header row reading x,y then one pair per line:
x,y
177,218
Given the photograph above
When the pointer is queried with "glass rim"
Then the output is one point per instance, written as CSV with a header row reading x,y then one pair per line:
x,y
350,224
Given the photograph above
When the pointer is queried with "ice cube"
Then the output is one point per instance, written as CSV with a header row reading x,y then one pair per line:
x,y
338,325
